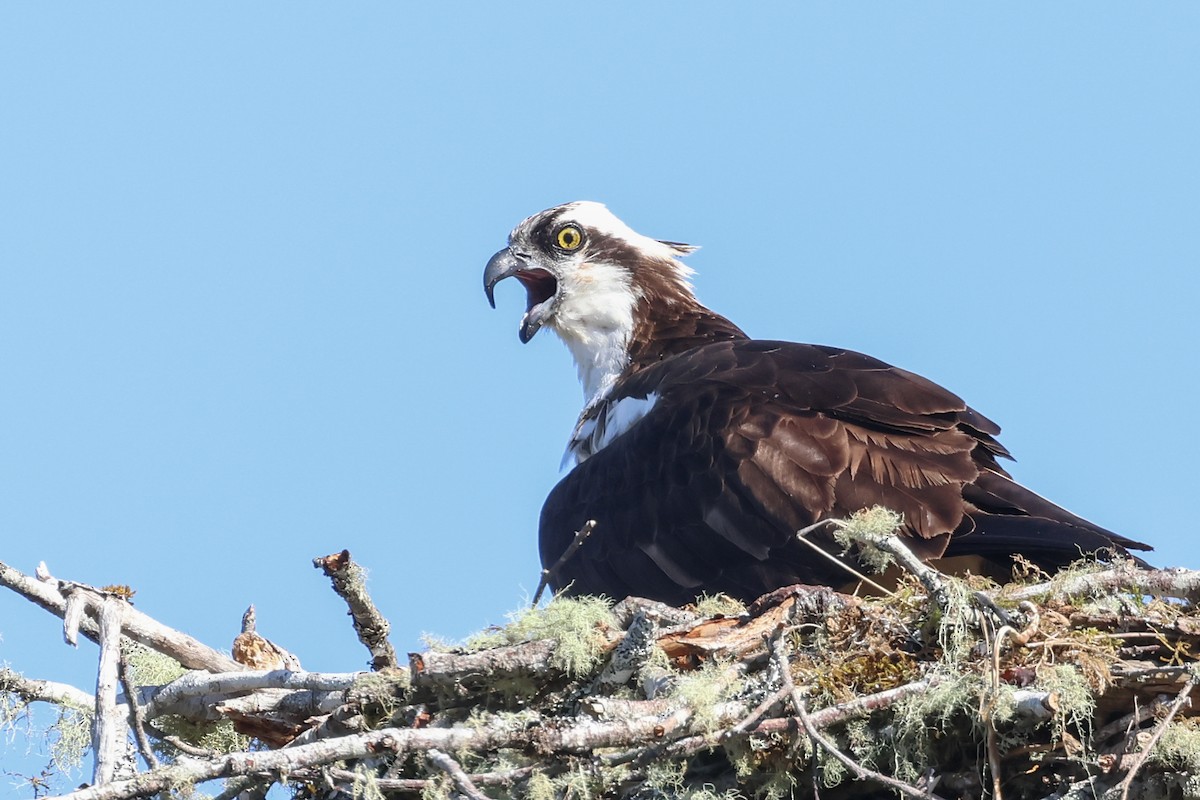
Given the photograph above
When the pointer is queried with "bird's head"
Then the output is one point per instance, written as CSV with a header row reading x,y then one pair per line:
x,y
587,275
583,269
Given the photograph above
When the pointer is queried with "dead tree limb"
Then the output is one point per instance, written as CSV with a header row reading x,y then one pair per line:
x,y
109,741
139,627
33,691
167,700
349,580
1183,584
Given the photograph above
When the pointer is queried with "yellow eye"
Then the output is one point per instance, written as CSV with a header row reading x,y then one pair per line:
x,y
569,237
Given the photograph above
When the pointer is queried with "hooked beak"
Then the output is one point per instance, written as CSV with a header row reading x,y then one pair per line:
x,y
541,288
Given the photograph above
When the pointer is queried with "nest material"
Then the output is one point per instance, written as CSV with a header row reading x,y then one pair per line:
x,y
1076,686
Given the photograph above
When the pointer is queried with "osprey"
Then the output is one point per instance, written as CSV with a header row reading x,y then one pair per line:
x,y
700,452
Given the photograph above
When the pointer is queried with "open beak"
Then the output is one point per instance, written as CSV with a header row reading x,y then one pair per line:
x,y
541,288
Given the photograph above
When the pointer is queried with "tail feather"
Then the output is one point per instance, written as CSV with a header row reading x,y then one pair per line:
x,y
1007,519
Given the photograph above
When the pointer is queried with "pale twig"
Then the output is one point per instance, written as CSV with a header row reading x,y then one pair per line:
x,y
802,535
1181,699
935,582
457,774
548,574
987,703
187,747
202,684
832,715
752,719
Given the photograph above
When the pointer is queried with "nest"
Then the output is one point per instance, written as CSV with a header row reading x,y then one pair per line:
x,y
1077,685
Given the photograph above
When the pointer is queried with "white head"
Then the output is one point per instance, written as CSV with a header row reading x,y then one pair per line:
x,y
585,272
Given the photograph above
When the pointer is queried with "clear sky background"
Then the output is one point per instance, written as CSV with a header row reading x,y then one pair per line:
x,y
241,248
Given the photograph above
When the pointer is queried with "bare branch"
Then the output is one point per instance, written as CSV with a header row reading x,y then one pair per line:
x,y
108,725
60,694
167,699
447,670
1125,576
350,582
190,652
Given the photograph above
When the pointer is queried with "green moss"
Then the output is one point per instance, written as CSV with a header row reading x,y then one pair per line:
x,y
922,719
73,739
365,785
540,787
703,690
149,667
778,786
1075,698
380,694
438,644
665,778
709,792
722,605
863,528
437,788
577,784
577,624
1179,746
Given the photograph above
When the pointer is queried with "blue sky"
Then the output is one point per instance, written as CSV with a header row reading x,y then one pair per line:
x,y
241,247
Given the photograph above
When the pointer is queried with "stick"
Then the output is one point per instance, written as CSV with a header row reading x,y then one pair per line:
x,y
1177,582
548,574
802,535
350,582
196,684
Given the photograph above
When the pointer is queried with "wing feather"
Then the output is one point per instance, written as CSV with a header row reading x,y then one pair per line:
x,y
750,441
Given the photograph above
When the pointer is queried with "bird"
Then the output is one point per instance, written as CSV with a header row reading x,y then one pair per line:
x,y
701,452
255,651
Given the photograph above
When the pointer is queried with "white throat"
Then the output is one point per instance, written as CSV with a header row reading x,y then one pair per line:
x,y
595,320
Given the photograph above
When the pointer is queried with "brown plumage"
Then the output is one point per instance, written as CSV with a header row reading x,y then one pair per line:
x,y
702,451
255,651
